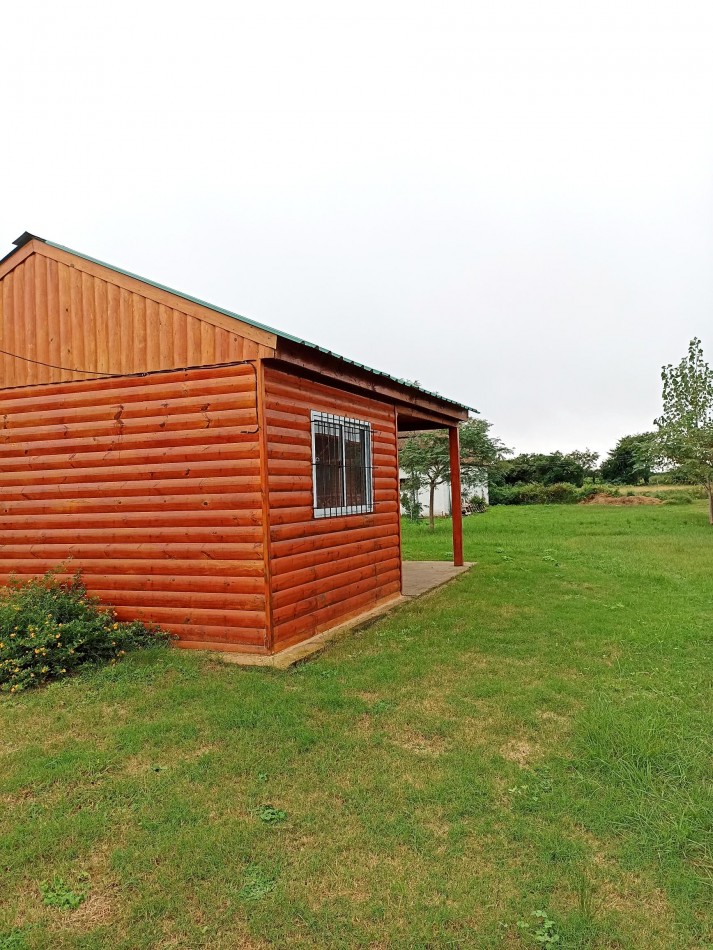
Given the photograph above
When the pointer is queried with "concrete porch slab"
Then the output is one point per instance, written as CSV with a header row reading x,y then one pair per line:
x,y
418,578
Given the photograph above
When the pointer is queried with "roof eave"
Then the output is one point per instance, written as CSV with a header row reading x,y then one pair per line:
x,y
321,362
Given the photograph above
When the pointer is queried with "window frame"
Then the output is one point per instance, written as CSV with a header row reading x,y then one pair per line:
x,y
343,423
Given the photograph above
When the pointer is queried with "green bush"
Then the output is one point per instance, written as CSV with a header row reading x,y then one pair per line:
x,y
561,493
411,506
50,628
564,493
675,476
515,494
675,497
502,494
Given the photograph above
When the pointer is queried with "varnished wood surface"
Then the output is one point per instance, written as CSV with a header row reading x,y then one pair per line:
x,y
58,310
151,486
325,569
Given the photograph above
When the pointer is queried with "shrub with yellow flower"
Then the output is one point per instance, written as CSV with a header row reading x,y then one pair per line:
x,y
49,628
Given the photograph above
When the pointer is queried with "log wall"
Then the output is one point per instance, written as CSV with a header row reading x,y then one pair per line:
x,y
151,486
325,570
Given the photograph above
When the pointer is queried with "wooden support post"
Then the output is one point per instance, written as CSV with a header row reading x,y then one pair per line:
x,y
456,503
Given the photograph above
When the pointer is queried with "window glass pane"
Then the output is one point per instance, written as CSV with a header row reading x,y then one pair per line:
x,y
356,454
341,465
328,479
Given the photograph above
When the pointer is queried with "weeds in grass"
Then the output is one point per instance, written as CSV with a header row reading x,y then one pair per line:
x,y
584,895
532,792
13,940
257,884
270,815
542,930
57,893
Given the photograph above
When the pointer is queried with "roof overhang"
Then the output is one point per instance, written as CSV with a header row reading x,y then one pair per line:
x,y
417,408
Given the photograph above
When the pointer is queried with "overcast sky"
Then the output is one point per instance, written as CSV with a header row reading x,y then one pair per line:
x,y
510,202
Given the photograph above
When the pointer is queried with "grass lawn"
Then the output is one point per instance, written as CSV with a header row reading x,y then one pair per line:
x,y
534,737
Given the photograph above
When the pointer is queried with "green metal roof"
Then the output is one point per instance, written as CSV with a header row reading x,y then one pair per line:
x,y
24,238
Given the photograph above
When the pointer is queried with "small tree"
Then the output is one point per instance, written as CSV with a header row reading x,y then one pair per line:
x,y
685,429
563,468
426,455
588,460
410,490
631,460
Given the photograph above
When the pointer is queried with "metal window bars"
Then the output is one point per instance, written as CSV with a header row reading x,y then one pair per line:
x,y
342,471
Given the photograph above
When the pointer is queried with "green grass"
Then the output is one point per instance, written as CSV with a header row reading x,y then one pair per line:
x,y
536,737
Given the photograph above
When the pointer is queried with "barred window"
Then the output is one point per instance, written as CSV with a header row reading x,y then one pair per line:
x,y
341,466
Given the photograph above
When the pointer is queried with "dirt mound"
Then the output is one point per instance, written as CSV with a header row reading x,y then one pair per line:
x,y
601,499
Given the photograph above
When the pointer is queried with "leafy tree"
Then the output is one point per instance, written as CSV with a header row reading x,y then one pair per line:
x,y
542,469
563,468
588,460
410,489
426,455
685,429
631,460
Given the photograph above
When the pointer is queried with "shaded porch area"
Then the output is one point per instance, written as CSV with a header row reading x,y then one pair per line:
x,y
414,422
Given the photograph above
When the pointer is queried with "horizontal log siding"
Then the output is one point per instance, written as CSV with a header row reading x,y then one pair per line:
x,y
54,313
325,570
149,485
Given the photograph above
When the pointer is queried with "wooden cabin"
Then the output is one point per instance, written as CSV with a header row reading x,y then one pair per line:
x,y
232,483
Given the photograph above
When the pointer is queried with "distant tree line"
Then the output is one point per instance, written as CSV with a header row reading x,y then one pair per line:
x,y
634,460
679,450
545,469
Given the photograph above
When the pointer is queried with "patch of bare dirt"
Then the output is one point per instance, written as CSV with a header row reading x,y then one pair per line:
x,y
97,909
520,751
422,745
602,499
139,764
642,905
546,715
367,696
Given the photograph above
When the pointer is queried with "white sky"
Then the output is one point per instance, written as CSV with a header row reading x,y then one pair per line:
x,y
511,202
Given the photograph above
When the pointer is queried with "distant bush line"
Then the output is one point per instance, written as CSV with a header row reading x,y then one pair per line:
x,y
565,493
